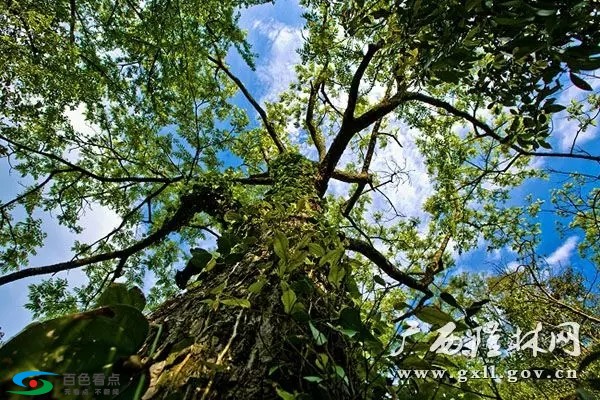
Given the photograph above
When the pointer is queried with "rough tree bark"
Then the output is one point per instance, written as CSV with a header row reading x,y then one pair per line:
x,y
209,350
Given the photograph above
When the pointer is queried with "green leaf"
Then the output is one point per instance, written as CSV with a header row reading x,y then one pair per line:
x,y
580,83
584,394
235,302
285,395
352,325
442,360
257,286
119,293
217,290
471,4
273,369
413,361
350,319
225,243
288,298
448,298
200,258
319,337
475,307
85,342
340,372
380,280
432,315
332,257
316,250
583,64
210,265
299,313
450,76
553,108
281,245
233,258
545,13
336,274
314,379
231,216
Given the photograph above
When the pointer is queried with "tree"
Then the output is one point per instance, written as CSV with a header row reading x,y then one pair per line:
x,y
306,291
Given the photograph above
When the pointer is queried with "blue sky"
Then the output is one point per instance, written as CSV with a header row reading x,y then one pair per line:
x,y
275,32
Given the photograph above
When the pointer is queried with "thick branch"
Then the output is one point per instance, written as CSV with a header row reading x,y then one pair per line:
x,y
351,177
386,266
263,114
64,266
456,112
203,199
127,216
355,84
367,161
347,130
315,134
380,110
437,264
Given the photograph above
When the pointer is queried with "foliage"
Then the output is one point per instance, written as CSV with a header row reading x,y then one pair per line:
x,y
474,89
103,340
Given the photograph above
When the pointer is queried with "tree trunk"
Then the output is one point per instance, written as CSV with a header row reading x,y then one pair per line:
x,y
209,350
214,345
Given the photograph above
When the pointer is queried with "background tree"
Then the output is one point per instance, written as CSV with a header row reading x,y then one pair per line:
x,y
305,294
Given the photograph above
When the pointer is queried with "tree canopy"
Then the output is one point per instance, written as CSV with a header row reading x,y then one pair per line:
x,y
204,173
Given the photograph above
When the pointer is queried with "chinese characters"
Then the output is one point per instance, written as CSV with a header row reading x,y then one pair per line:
x,y
97,384
489,335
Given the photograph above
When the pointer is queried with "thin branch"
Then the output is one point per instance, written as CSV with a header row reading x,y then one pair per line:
x,y
367,161
263,115
558,302
489,131
326,100
415,309
205,228
33,189
87,173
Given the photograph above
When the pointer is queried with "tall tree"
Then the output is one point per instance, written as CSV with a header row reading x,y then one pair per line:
x,y
306,291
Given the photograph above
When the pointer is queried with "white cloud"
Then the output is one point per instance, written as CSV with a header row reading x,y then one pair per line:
x,y
567,134
82,127
413,185
565,129
512,266
278,71
563,253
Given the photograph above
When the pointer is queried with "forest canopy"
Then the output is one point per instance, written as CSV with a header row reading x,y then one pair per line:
x,y
432,167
